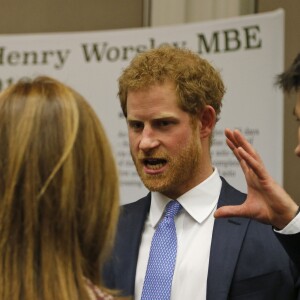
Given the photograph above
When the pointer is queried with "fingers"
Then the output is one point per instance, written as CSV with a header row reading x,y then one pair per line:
x,y
230,137
242,142
235,140
232,143
253,163
238,140
248,158
233,149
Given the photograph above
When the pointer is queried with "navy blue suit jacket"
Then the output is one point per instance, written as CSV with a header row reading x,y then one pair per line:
x,y
247,260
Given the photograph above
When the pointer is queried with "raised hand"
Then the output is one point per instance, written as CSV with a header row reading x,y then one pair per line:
x,y
266,201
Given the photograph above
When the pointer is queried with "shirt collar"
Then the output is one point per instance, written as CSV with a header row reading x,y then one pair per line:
x,y
199,202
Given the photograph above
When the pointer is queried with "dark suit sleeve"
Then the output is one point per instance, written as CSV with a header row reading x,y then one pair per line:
x,y
119,272
267,263
291,244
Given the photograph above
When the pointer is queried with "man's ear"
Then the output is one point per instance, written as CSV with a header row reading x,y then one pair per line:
x,y
208,121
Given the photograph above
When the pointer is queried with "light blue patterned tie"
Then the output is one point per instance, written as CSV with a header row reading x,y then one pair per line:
x,y
162,257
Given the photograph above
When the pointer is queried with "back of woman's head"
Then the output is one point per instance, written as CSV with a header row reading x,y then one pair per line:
x,y
58,192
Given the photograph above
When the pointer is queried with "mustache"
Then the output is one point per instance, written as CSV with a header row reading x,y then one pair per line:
x,y
144,156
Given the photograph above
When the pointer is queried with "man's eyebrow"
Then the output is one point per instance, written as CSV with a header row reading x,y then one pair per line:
x,y
160,117
164,117
133,122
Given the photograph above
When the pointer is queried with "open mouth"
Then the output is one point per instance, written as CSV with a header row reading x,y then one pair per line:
x,y
154,163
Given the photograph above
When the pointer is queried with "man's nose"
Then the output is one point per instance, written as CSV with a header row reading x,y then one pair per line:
x,y
148,139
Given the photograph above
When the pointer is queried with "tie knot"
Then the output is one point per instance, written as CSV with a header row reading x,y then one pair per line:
x,y
172,208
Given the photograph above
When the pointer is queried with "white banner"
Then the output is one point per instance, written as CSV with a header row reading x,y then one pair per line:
x,y
247,50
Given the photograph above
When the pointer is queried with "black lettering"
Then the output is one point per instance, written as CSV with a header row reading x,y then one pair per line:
x,y
152,43
1,55
252,39
30,58
213,46
141,48
13,58
91,51
125,52
113,54
232,41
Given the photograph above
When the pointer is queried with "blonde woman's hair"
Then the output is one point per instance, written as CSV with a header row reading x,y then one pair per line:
x,y
59,198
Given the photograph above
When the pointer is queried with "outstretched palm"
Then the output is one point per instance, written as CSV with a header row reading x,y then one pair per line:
x,y
266,201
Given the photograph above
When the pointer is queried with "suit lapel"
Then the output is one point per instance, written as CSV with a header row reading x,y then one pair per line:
x,y
130,230
227,239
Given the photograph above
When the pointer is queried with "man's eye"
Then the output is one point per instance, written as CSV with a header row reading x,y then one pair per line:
x,y
136,125
163,123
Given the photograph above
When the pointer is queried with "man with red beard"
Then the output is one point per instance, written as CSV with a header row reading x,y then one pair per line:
x,y
171,99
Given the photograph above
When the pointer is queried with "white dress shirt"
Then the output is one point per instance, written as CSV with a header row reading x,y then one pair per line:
x,y
194,226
